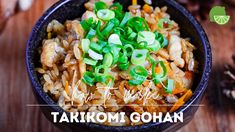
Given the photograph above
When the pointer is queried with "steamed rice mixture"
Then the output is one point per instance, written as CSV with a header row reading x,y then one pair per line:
x,y
116,61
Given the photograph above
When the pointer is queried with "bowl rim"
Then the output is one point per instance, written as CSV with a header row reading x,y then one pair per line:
x,y
200,87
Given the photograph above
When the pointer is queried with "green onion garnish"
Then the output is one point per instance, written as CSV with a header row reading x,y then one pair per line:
x,y
139,75
114,39
91,34
108,59
170,86
94,55
157,78
89,61
100,5
147,36
127,16
96,47
139,56
85,45
88,78
105,14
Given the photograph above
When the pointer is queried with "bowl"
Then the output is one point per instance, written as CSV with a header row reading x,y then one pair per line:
x,y
71,9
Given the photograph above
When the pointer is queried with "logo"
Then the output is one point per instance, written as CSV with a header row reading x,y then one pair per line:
x,y
218,15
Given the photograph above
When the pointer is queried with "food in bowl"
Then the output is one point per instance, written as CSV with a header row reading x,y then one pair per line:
x,y
116,61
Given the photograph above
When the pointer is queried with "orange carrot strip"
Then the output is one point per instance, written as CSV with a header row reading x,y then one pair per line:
x,y
147,8
181,101
67,87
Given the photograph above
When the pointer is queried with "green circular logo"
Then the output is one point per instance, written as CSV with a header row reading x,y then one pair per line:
x,y
218,15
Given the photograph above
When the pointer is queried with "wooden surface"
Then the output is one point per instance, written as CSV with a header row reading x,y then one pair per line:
x,y
217,114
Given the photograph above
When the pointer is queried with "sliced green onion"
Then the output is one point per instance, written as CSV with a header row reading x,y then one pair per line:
x,y
142,45
88,23
157,78
105,14
108,59
123,66
115,52
132,36
164,43
102,43
170,86
100,5
154,47
139,75
117,8
91,33
138,24
138,56
99,34
107,29
151,59
129,49
126,17
128,30
147,36
118,30
101,69
89,61
122,56
107,79
94,55
159,37
96,47
109,26
85,45
114,39
106,49
88,78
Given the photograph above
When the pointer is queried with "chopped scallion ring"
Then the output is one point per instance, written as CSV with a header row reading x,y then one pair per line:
x,y
139,75
108,59
170,86
95,55
114,39
89,61
88,78
105,14
138,56
85,45
147,36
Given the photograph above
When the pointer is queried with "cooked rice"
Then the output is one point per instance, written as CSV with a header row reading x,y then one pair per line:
x,y
62,70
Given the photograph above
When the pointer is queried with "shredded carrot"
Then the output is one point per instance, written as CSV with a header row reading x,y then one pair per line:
x,y
67,87
147,8
146,83
134,2
158,69
181,101
159,85
178,90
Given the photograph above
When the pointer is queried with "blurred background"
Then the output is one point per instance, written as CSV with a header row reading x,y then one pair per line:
x,y
17,17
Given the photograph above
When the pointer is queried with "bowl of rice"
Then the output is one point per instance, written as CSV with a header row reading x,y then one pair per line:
x,y
118,56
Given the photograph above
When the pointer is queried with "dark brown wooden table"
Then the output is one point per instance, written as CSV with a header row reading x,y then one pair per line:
x,y
217,114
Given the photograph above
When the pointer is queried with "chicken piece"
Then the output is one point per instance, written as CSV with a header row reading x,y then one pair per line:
x,y
171,98
91,4
75,28
108,2
89,14
175,50
51,52
55,26
187,80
